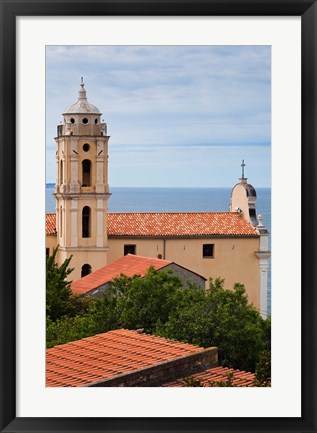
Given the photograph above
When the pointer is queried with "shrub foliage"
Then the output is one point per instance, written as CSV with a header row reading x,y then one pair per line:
x,y
159,304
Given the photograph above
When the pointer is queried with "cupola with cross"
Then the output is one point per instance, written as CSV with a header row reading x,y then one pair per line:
x,y
243,200
82,189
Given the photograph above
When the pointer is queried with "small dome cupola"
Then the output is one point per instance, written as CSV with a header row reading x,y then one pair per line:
x,y
82,105
243,199
82,118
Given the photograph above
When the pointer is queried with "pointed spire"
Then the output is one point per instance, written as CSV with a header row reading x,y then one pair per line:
x,y
81,105
82,91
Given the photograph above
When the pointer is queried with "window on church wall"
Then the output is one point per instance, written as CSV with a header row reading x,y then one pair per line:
x,y
61,173
208,251
85,270
129,249
61,221
86,222
86,165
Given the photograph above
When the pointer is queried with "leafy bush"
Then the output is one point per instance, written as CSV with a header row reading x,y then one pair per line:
x,y
159,304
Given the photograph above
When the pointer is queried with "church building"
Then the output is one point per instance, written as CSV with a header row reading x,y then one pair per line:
x,y
231,245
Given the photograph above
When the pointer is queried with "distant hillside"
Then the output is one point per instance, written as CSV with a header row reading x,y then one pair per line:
x,y
50,184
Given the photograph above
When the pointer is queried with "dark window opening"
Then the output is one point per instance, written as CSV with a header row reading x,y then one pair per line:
x,y
253,218
72,120
129,249
61,221
208,251
86,222
61,172
86,172
96,121
86,147
85,270
85,120
47,252
59,130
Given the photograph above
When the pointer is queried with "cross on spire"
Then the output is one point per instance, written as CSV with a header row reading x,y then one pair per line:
x,y
243,165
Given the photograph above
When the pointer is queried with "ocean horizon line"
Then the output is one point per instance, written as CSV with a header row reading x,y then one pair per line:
x,y
50,184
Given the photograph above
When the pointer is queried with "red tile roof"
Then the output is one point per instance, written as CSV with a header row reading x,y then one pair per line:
x,y
178,224
172,224
50,224
218,374
108,355
128,265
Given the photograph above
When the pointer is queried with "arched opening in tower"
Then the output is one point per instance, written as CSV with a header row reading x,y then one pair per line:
x,y
86,172
86,222
85,270
61,172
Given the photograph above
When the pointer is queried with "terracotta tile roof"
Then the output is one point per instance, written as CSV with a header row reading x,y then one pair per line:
x,y
178,224
50,224
107,355
172,224
218,374
128,265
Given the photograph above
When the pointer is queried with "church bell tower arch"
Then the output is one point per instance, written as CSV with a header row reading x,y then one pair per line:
x,y
82,189
243,201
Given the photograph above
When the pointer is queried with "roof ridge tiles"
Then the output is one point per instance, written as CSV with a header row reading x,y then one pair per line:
x,y
178,224
173,213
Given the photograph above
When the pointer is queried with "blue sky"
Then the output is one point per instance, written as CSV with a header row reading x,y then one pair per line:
x,y
178,116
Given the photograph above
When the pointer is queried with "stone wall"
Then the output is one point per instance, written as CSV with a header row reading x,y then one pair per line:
x,y
166,371
186,275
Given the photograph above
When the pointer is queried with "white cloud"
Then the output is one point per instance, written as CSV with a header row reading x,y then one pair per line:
x,y
181,98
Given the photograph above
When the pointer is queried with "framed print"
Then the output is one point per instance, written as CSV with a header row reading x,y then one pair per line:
x,y
44,46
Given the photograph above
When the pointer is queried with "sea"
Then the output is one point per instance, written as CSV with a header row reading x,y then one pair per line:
x,y
177,200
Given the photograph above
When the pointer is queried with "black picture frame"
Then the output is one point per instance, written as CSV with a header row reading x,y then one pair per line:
x,y
10,9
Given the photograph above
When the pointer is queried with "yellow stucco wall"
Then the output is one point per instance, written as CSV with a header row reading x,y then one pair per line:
x,y
66,233
96,259
51,243
234,258
144,247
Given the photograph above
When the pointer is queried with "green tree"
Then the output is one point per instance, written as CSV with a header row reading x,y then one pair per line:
x,y
221,318
263,370
59,298
159,304
188,320
98,317
58,290
131,303
68,329
140,302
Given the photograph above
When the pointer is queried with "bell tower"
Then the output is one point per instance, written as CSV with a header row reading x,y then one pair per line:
x,y
82,189
243,200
